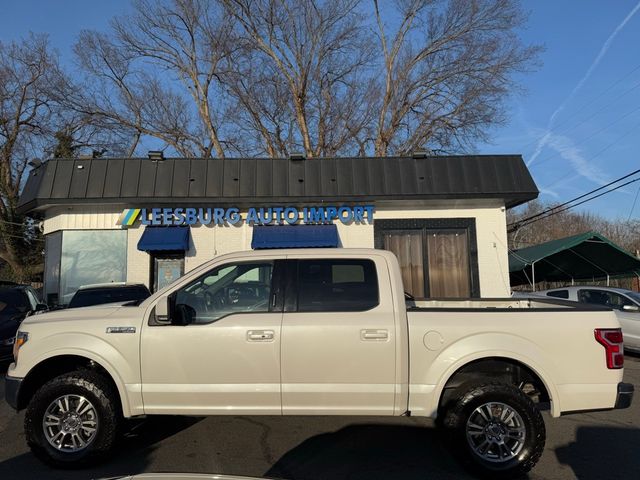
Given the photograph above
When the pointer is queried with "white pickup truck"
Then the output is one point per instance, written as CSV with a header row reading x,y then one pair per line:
x,y
315,332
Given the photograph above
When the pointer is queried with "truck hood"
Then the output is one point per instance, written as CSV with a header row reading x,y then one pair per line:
x,y
72,314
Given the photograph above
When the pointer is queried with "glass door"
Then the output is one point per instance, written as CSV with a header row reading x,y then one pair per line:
x,y
166,268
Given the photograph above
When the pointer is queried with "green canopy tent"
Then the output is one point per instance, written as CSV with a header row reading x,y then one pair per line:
x,y
580,257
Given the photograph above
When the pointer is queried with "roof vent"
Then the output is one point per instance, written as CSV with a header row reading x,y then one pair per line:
x,y
35,163
297,156
420,154
156,155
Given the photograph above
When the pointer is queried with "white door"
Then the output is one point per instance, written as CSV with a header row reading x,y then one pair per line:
x,y
630,323
221,354
339,346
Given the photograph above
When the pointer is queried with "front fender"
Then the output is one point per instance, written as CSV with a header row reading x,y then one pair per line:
x,y
120,360
477,347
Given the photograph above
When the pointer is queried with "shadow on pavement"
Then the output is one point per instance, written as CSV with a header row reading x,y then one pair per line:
x,y
131,455
603,453
369,452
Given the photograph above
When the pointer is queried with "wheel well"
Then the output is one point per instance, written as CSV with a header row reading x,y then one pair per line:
x,y
54,367
496,369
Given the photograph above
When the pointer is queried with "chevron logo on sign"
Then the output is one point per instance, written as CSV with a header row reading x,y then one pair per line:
x,y
128,217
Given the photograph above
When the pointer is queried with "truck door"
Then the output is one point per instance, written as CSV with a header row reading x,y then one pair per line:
x,y
338,338
221,351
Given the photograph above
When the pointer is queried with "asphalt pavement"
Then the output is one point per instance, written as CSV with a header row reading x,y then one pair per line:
x,y
602,445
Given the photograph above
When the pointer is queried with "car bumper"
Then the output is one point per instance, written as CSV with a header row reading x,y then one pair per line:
x,y
6,353
12,390
625,395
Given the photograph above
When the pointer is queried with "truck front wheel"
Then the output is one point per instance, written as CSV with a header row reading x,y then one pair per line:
x,y
496,430
72,420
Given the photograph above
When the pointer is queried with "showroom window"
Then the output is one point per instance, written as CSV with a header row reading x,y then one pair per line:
x,y
86,257
438,258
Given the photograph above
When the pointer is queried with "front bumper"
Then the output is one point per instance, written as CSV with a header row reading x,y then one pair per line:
x,y
6,353
12,390
625,395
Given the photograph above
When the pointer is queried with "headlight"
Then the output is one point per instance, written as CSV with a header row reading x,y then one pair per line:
x,y
21,339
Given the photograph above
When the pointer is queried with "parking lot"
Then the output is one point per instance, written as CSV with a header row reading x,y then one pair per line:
x,y
587,446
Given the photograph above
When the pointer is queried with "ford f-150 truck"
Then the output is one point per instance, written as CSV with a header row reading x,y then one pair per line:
x,y
316,332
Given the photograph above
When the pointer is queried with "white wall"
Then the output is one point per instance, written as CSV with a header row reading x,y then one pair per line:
x,y
209,241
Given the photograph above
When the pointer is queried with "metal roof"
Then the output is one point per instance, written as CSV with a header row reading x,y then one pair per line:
x,y
579,257
269,180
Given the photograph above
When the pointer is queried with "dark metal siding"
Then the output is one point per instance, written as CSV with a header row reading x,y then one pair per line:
x,y
113,179
198,178
95,183
133,181
130,178
79,179
62,180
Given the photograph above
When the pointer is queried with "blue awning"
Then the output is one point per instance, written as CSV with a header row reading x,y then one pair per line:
x,y
155,239
294,236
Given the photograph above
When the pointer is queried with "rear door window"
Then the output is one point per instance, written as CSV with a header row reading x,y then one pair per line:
x,y
559,294
337,285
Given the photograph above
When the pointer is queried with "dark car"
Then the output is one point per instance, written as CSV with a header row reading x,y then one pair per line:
x,y
16,302
90,295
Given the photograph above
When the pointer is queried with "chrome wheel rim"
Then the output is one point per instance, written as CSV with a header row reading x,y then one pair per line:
x,y
496,432
70,423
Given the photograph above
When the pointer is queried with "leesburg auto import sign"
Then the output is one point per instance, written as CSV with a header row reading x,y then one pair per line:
x,y
254,215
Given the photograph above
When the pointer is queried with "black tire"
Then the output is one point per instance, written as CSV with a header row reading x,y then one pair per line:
x,y
467,430
105,402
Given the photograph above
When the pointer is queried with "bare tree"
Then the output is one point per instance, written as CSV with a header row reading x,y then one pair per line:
x,y
448,68
30,85
327,77
559,224
318,52
134,74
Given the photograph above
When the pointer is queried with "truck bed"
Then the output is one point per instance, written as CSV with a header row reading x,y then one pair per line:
x,y
501,304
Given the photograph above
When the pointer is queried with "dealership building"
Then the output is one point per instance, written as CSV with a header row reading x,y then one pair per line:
x,y
150,220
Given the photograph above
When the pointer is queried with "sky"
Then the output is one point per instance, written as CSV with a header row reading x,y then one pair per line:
x,y
576,123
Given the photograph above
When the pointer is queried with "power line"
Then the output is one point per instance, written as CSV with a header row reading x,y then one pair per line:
x,y
593,134
634,204
573,199
604,107
597,97
23,238
597,154
590,102
14,223
579,203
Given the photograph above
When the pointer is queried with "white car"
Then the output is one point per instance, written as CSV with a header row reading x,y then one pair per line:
x,y
625,303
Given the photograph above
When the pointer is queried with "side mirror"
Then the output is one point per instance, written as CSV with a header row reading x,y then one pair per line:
x,y
631,308
162,311
41,307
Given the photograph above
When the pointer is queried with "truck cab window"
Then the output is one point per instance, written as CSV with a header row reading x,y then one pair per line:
x,y
242,287
337,285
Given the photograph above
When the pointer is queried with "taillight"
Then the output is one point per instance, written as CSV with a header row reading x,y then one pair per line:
x,y
611,340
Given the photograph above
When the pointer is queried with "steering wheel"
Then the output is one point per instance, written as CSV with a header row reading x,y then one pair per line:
x,y
214,301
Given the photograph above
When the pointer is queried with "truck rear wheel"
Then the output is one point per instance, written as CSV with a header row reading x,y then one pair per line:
x,y
72,420
496,430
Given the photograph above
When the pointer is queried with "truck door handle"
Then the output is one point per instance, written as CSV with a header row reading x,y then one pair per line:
x,y
373,334
260,335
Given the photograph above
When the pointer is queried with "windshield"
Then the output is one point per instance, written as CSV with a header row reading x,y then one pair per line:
x,y
635,296
13,301
98,296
